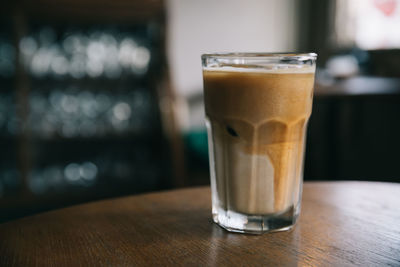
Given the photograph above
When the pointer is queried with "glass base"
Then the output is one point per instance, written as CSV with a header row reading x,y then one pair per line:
x,y
255,224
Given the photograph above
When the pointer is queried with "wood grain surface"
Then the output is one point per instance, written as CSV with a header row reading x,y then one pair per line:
x,y
341,224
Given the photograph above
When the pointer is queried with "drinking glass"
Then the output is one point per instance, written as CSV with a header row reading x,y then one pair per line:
x,y
257,108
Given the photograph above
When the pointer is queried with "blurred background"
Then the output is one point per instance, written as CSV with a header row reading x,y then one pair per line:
x,y
101,99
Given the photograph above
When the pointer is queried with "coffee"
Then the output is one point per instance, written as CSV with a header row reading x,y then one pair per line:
x,y
257,120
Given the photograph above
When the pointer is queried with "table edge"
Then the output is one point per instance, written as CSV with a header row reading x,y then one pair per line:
x,y
162,192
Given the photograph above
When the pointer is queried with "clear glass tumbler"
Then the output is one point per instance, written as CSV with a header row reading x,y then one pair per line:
x,y
257,107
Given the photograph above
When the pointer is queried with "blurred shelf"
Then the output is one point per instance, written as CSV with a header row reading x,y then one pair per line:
x,y
110,138
123,79
8,139
360,86
81,142
7,83
89,11
99,114
123,84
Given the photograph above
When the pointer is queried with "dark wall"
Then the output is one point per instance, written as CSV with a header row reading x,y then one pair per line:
x,y
354,138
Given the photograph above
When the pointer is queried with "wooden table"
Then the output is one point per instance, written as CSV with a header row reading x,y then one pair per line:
x,y
342,224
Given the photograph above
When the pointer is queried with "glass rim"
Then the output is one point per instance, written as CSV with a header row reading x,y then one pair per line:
x,y
260,55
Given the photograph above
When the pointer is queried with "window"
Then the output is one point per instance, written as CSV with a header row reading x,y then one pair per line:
x,y
368,24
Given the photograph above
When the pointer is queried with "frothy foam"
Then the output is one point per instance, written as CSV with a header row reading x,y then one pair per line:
x,y
275,69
